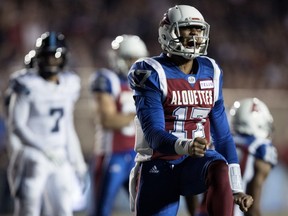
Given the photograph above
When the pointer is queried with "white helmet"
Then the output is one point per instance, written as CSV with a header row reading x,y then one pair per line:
x,y
169,34
252,117
126,49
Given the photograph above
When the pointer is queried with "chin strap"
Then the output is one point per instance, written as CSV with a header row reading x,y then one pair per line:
x,y
235,178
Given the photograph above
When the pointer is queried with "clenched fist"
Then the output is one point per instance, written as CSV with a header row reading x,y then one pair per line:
x,y
243,200
193,147
198,147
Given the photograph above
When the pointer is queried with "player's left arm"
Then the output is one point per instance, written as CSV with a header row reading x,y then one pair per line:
x,y
19,112
73,144
74,147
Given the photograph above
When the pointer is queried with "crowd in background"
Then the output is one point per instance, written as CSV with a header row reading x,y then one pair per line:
x,y
248,37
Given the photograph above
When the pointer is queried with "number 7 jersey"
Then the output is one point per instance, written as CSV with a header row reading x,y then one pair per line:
x,y
43,111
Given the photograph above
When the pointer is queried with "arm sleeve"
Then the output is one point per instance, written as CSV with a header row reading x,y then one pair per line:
x,y
144,81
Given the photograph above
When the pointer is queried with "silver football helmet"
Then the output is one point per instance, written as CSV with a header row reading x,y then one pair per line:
x,y
169,34
251,116
126,49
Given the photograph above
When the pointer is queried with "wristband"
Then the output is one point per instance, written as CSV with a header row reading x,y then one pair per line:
x,y
235,178
182,146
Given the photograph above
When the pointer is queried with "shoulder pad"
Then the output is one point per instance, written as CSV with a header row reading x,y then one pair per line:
x,y
19,87
102,80
18,74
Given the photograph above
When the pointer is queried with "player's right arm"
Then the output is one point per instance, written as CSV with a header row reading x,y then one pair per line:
x,y
144,81
19,110
105,87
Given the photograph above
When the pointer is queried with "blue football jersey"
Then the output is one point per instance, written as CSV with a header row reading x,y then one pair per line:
x,y
250,148
171,104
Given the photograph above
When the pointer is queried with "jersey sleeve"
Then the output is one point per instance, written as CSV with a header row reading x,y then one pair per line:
x,y
18,116
101,81
266,152
144,80
18,87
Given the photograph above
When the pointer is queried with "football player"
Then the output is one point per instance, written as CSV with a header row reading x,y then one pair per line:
x,y
252,128
180,104
115,130
41,117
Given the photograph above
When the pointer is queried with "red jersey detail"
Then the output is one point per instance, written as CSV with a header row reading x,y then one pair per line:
x,y
186,111
124,140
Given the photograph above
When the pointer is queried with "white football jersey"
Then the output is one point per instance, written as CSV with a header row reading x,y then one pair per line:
x,y
42,111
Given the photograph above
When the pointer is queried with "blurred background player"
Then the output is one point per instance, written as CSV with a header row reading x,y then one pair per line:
x,y
41,117
252,127
115,132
